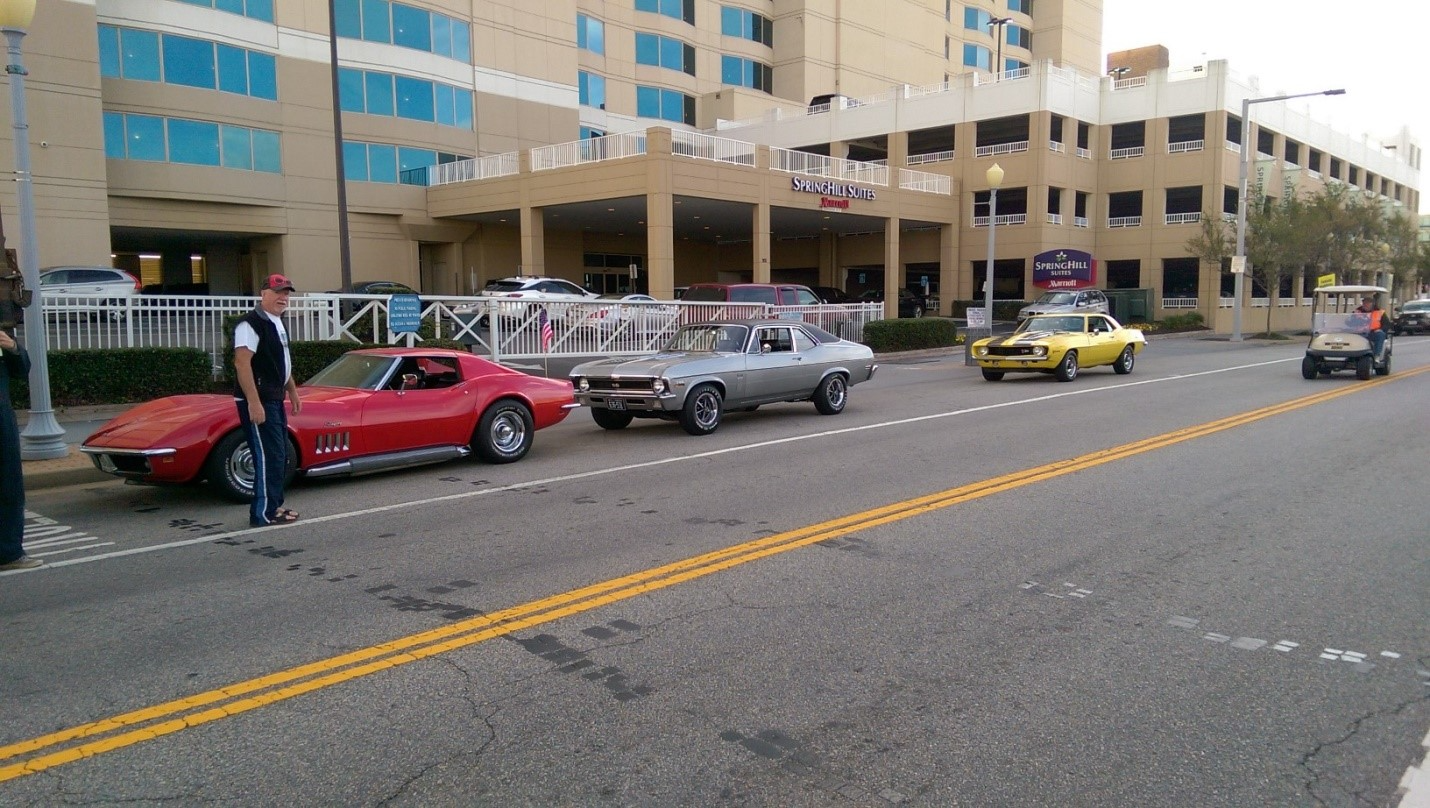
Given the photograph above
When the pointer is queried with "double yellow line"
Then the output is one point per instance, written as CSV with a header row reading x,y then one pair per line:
x,y
130,728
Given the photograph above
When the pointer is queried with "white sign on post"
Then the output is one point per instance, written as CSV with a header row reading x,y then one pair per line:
x,y
977,317
1238,264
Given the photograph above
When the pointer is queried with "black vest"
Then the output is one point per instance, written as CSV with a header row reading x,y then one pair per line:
x,y
268,364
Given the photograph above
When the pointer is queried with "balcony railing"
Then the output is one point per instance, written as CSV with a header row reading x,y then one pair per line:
x,y
477,168
1001,148
708,147
1056,146
819,165
931,157
589,150
1011,218
1183,218
1055,218
1123,154
1233,147
1179,302
1124,221
1084,153
1185,146
1127,84
1080,221
925,181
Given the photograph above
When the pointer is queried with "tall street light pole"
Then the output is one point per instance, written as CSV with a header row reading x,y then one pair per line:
x,y
995,179
43,437
1239,261
345,261
996,25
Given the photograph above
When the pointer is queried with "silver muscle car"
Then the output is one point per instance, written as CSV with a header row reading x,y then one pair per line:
x,y
708,368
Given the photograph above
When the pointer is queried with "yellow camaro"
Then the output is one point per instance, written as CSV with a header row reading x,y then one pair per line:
x,y
1060,344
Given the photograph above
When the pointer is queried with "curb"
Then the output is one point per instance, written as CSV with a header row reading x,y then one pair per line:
x,y
39,479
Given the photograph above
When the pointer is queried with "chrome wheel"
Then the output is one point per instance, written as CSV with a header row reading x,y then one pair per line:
x,y
832,395
504,434
703,407
508,432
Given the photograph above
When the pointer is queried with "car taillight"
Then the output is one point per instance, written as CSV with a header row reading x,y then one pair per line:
x,y
138,286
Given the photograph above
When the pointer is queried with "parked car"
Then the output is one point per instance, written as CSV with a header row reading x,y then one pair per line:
x,y
1065,301
1060,344
910,304
97,291
771,294
1340,335
833,295
369,410
709,368
523,291
632,313
1413,317
349,307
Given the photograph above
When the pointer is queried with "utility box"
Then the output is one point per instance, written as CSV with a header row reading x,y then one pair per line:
x,y
1130,305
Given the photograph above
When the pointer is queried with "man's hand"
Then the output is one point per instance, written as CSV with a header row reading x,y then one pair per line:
x,y
7,342
255,411
294,400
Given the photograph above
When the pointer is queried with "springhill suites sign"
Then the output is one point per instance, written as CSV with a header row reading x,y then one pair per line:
x,y
832,188
1064,269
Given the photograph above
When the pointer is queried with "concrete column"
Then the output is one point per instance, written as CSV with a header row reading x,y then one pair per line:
x,y
947,268
761,241
660,215
893,268
533,240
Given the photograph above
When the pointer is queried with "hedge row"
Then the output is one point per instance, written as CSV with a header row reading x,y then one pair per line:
x,y
910,334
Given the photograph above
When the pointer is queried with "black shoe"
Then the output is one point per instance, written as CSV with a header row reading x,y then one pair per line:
x,y
24,562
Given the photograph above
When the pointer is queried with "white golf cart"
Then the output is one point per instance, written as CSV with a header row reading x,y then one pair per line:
x,y
1339,338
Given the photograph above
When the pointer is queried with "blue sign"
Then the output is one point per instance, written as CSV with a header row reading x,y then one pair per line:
x,y
1064,269
404,314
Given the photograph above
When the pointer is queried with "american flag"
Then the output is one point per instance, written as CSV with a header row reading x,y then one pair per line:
x,y
547,333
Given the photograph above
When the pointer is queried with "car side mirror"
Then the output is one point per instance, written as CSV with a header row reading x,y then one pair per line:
x,y
765,347
409,381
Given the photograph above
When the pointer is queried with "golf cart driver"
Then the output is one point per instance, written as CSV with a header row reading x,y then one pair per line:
x,y
1369,316
1346,338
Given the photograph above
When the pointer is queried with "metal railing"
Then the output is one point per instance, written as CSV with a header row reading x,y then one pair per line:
x,y
589,150
1055,218
819,165
476,168
1011,218
1234,148
1125,221
1056,146
1080,221
1179,302
931,157
1182,218
1084,153
910,180
1001,148
1127,84
1123,154
1185,146
708,147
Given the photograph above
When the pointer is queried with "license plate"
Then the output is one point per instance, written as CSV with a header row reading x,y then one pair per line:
x,y
615,404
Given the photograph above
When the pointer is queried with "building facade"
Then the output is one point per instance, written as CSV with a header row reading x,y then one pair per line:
x,y
195,143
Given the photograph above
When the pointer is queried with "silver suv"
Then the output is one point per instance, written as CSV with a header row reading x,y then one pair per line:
x,y
522,291
95,291
1065,301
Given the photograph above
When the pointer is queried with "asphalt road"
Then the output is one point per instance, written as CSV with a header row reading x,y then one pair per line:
x,y
1205,583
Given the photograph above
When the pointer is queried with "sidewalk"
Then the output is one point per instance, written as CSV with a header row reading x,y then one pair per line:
x,y
75,467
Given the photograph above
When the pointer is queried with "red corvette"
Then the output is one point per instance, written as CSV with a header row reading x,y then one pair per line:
x,y
370,410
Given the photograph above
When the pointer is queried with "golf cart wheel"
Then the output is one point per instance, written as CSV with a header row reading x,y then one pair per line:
x,y
1363,366
1308,368
1383,369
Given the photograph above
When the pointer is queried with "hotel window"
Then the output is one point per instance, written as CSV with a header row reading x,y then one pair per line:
x,y
590,34
976,19
683,10
591,89
375,93
129,53
1025,6
748,25
254,9
977,56
746,73
381,162
178,140
667,105
588,133
407,26
663,51
1020,37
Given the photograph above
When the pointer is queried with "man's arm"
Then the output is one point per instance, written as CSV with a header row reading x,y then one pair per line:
x,y
243,368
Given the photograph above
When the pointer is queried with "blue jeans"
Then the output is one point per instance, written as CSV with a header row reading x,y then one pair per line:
x,y
269,443
1377,341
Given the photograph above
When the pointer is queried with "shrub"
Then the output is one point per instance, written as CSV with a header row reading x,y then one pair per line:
x,y
910,334
1184,322
119,376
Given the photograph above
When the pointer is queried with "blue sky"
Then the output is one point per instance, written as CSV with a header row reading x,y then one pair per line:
x,y
1299,46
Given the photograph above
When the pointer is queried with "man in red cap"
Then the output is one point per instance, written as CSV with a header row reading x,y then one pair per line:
x,y
264,371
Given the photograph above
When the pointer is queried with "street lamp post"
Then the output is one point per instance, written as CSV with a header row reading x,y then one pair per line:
x,y
43,437
995,179
1238,278
998,23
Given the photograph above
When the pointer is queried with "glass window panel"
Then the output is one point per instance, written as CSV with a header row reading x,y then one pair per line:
x,y
144,136
582,41
445,113
189,62
595,35
441,35
975,56
193,142
259,10
262,75
232,69
408,159
381,163
208,3
729,70
267,154
380,100
729,21
114,135
461,42
671,53
140,54
109,51
376,25
231,6
411,27
670,8
237,143
647,49
648,5
414,99
648,102
350,90
349,18
671,105
462,104
355,161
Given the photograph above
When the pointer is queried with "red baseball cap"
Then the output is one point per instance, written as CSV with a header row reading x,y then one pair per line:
x,y
278,283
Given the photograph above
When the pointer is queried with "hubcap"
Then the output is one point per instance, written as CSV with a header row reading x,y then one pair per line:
x,y
707,410
240,466
508,432
837,392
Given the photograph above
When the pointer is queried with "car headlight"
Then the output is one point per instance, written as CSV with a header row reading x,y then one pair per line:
x,y
1040,350
980,351
583,384
659,387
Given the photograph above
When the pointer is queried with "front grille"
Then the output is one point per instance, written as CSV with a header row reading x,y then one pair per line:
x,y
622,385
1010,350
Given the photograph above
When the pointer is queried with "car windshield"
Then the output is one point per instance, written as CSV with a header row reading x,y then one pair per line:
x,y
1051,324
1416,305
709,337
356,371
1057,299
504,286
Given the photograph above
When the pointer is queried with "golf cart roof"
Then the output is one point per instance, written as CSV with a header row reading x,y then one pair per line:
x,y
1350,290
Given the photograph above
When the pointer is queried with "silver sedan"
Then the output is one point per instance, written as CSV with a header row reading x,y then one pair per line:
x,y
708,368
